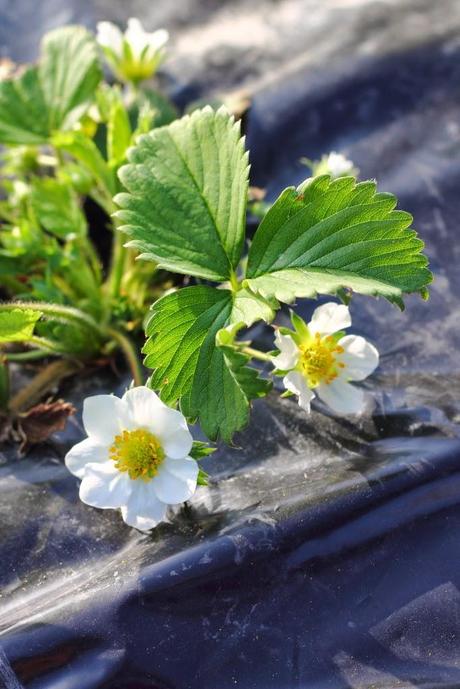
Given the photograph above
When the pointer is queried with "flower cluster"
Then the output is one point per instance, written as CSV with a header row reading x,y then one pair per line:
x,y
136,457
318,359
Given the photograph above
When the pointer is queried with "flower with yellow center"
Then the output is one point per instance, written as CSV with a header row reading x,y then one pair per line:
x,y
138,452
135,55
136,457
318,359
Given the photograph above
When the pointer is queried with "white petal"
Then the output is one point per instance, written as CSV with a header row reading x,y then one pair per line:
x,y
136,37
104,486
176,480
110,36
296,383
143,404
289,352
143,510
329,318
185,468
176,438
85,453
342,397
338,165
104,416
360,357
158,39
168,425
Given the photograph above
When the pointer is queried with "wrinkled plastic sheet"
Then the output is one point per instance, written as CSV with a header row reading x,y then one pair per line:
x,y
325,553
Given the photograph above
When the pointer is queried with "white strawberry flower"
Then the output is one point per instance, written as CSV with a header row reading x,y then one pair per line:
x,y
319,360
134,55
136,457
338,165
334,164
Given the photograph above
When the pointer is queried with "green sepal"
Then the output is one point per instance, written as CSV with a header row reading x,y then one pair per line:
x,y
203,478
200,450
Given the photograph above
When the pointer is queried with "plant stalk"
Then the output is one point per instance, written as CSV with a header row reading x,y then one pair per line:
x,y
118,263
256,354
234,282
42,383
32,355
130,353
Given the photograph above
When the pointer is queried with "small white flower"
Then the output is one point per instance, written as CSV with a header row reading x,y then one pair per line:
x,y
109,36
135,456
143,44
334,164
338,165
319,360
134,55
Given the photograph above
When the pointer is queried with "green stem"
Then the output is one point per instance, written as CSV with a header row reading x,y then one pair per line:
x,y
33,355
93,259
256,354
234,282
118,263
130,355
43,343
103,199
74,316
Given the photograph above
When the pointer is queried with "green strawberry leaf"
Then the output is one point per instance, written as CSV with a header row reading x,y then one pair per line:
x,y
23,111
118,133
226,370
249,308
187,190
328,236
18,324
177,329
70,71
57,209
212,383
53,95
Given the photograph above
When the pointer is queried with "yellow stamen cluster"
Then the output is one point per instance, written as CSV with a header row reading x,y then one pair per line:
x,y
318,360
137,452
